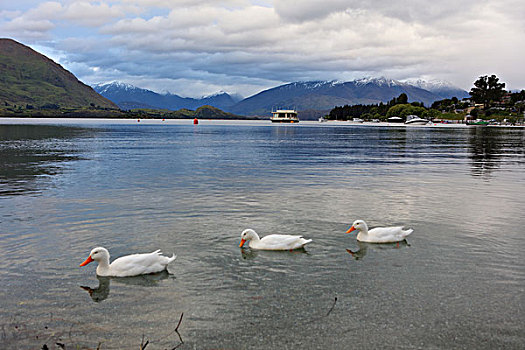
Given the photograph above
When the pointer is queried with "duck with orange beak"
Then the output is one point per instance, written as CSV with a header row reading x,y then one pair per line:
x,y
379,234
272,242
129,265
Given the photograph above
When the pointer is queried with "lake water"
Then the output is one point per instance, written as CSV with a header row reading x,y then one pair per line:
x,y
68,186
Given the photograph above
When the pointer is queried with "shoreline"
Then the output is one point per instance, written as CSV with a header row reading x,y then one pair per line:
x,y
240,122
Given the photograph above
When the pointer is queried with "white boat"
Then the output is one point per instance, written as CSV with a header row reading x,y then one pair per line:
x,y
357,120
415,120
284,116
395,120
322,120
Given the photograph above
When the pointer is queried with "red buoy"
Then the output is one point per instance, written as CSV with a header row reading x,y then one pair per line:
x,y
195,121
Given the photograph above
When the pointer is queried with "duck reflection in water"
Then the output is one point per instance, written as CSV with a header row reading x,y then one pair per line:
x,y
101,292
360,253
250,254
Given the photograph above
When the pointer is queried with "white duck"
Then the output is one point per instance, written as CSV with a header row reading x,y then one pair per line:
x,y
272,242
379,234
129,265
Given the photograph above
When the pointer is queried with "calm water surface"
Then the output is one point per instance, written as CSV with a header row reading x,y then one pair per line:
x,y
66,187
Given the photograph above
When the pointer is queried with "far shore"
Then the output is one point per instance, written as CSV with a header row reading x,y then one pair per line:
x,y
106,121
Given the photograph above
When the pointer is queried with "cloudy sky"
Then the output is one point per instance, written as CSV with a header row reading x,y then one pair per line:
x,y
199,47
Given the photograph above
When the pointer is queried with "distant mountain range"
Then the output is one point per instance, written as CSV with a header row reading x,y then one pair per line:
x,y
323,96
30,80
127,96
313,98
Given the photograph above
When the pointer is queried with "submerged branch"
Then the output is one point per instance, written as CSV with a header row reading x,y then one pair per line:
x,y
180,321
142,344
176,330
316,319
335,301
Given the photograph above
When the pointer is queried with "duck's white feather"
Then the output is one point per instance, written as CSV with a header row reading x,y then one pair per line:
x,y
279,242
384,235
138,264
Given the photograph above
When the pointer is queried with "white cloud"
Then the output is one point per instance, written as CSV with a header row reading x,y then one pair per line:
x,y
93,15
34,24
406,10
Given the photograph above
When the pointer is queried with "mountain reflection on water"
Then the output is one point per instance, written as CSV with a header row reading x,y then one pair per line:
x,y
30,153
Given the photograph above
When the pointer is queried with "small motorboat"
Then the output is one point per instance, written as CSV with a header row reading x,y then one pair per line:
x,y
478,122
395,120
415,120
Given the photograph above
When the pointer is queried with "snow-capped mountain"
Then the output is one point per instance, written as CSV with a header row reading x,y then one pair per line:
x,y
325,95
114,86
128,97
443,89
382,81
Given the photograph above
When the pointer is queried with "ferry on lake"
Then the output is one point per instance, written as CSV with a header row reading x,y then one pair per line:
x,y
284,116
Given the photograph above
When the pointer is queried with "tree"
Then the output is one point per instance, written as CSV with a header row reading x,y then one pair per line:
x,y
402,99
405,110
487,90
431,114
517,97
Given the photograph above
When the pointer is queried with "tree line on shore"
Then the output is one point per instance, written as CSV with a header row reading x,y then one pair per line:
x,y
488,100
93,111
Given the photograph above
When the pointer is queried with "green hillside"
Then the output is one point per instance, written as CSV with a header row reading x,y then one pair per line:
x,y
31,81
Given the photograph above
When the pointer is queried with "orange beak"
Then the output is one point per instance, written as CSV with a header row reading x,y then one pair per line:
x,y
242,243
350,229
88,260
